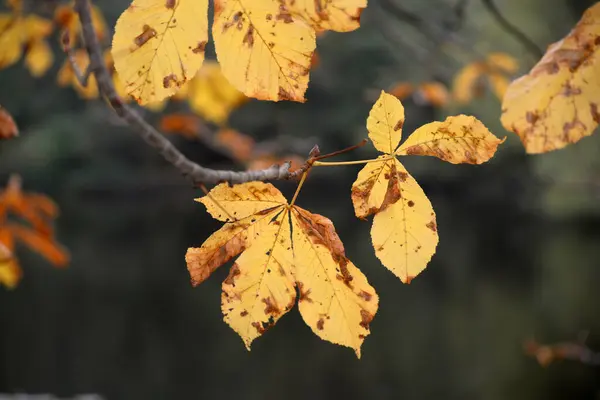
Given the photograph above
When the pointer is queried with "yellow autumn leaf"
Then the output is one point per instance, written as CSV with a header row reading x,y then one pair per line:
x,y
263,51
159,45
404,231
499,84
465,81
556,103
385,123
470,81
211,95
10,273
459,139
283,248
323,15
502,61
17,32
11,44
66,76
39,58
67,19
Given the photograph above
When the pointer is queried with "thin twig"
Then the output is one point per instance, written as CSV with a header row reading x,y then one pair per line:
x,y
513,30
194,172
82,77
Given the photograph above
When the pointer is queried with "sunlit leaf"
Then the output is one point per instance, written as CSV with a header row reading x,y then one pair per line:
x,y
459,139
39,58
334,15
283,248
263,51
16,32
404,231
211,95
556,103
159,45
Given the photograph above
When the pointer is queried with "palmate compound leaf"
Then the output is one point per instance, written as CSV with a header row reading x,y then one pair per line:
x,y
404,231
159,45
557,103
263,50
283,249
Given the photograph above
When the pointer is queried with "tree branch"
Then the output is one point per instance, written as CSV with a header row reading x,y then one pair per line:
x,y
194,172
513,30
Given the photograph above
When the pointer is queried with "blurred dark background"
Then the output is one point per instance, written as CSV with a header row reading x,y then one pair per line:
x,y
519,252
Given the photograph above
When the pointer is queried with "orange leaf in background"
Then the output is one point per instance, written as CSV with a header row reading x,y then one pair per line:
x,y
434,93
262,162
239,144
68,20
187,126
431,93
40,243
37,210
8,128
546,354
470,81
557,102
402,90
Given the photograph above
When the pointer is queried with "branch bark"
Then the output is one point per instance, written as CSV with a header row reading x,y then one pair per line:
x,y
194,172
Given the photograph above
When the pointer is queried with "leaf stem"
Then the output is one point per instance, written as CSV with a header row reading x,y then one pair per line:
x,y
337,153
302,179
339,163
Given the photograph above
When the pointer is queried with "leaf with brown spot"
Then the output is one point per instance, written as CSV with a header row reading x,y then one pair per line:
x,y
263,51
404,231
556,103
282,247
328,15
459,139
155,46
